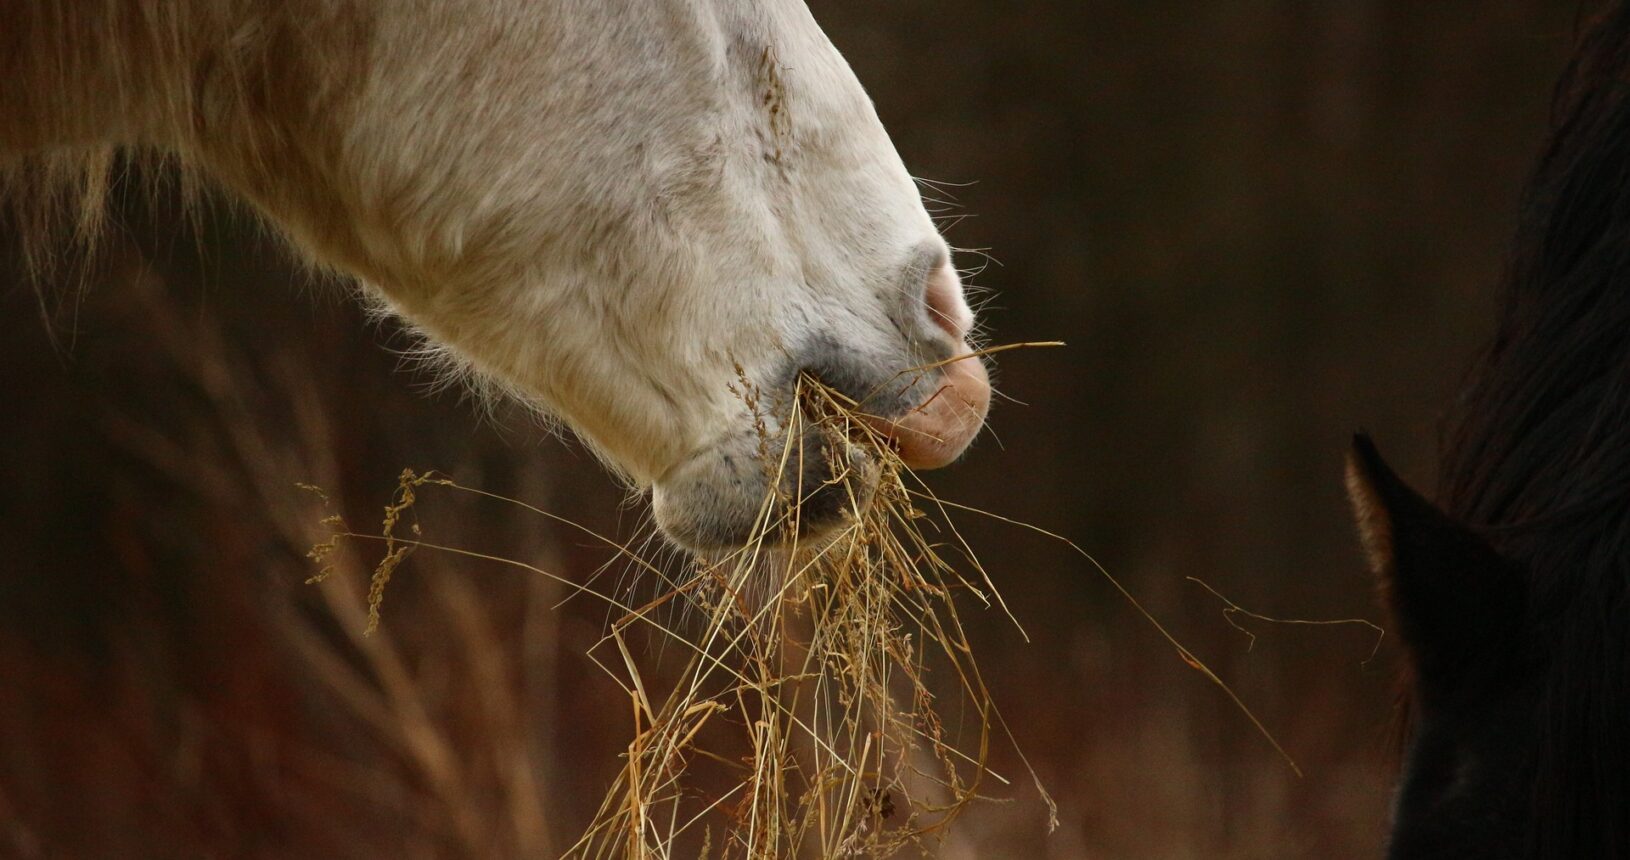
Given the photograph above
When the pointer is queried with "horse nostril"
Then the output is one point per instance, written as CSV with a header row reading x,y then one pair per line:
x,y
947,306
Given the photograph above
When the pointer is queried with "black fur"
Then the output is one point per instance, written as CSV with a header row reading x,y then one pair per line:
x,y
1534,761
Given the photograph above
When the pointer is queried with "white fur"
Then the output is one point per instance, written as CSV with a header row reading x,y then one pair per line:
x,y
611,220
606,207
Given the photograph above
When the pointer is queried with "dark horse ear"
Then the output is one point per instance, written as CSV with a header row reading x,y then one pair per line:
x,y
1457,602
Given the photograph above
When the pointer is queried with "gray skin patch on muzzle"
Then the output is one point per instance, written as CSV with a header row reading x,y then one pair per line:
x,y
721,499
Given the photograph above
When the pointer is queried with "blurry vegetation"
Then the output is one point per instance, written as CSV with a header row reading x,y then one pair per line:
x,y
1259,225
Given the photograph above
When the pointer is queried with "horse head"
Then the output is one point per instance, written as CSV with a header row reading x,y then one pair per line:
x,y
649,219
1516,695
1517,626
645,218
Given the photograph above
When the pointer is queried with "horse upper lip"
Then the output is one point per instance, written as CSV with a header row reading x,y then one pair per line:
x,y
936,430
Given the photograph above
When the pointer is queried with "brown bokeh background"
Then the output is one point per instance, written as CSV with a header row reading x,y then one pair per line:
x,y
1258,225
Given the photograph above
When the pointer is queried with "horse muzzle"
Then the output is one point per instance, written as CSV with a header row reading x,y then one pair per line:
x,y
921,388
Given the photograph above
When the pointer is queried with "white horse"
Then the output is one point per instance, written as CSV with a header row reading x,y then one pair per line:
x,y
614,209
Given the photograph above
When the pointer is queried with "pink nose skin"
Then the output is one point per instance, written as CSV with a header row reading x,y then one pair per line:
x,y
940,428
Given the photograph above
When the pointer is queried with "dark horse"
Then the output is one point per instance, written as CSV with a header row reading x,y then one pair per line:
x,y
1514,596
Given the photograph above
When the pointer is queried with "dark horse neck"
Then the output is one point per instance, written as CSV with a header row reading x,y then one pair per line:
x,y
1538,452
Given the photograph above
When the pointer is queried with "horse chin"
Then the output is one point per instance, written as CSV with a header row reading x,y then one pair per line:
x,y
720,500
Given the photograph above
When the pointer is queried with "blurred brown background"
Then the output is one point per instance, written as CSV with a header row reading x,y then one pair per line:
x,y
1259,225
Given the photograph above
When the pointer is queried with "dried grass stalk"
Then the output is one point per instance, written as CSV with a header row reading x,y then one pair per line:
x,y
803,722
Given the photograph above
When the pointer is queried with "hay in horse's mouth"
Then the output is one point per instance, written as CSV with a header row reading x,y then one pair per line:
x,y
810,707
806,719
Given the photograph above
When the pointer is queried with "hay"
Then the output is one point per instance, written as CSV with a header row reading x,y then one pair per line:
x,y
833,742
803,722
